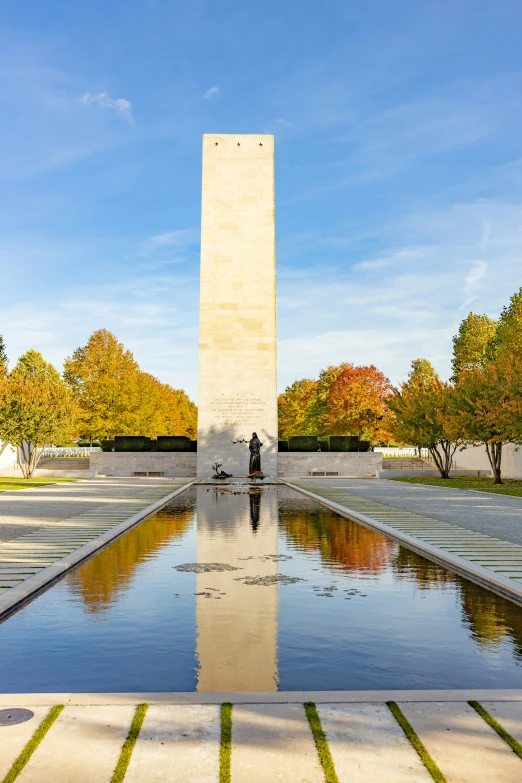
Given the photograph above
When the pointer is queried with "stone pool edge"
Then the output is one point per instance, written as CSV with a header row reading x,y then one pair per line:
x,y
29,588
272,697
498,584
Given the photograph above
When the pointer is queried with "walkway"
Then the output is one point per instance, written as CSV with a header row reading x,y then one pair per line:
x,y
402,737
59,525
393,509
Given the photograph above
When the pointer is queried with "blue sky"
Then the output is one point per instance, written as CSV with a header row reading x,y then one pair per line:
x,y
398,171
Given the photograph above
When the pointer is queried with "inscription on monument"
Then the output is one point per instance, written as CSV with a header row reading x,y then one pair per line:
x,y
237,410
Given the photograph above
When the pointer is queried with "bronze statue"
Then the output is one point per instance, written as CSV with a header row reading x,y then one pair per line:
x,y
255,455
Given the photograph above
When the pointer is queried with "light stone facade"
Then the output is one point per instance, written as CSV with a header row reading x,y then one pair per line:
x,y
237,333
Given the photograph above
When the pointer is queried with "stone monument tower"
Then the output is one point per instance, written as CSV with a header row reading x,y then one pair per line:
x,y
237,331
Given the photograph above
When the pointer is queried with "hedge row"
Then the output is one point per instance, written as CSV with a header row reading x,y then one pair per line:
x,y
335,443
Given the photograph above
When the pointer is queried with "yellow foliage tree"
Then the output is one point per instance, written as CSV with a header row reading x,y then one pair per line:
x,y
296,409
116,398
36,409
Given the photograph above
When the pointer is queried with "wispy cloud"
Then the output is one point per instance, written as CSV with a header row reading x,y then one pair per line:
x,y
210,93
121,106
179,238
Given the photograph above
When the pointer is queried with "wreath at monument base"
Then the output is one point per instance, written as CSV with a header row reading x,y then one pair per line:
x,y
220,474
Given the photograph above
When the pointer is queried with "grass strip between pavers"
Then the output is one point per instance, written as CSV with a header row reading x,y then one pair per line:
x,y
225,744
415,741
128,745
515,746
33,743
321,743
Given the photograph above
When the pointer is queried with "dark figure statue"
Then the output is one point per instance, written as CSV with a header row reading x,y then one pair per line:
x,y
255,455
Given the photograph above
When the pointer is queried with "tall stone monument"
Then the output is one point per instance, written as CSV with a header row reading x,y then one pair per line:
x,y
237,331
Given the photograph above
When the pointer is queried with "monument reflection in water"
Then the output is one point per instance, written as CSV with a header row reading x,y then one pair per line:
x,y
237,633
304,600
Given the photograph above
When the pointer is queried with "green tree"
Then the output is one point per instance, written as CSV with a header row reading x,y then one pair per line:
x,y
489,390
36,409
508,336
3,358
422,410
33,363
488,407
470,345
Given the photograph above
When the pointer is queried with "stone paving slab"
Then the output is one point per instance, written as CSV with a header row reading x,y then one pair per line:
x,y
367,744
508,715
180,742
462,744
484,559
273,742
82,746
177,744
483,512
13,739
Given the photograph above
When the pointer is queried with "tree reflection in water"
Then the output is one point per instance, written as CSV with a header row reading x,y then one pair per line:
x,y
353,547
101,580
489,618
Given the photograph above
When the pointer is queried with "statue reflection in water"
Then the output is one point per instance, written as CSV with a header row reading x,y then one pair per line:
x,y
255,506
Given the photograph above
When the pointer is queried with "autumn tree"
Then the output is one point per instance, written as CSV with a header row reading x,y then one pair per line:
x,y
508,336
3,372
3,358
36,409
422,409
344,400
164,410
117,398
470,345
296,409
356,404
489,408
489,390
104,379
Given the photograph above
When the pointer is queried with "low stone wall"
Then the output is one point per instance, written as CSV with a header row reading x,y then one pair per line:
x,y
130,463
184,463
294,463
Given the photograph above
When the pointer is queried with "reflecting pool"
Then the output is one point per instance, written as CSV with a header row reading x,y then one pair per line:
x,y
259,589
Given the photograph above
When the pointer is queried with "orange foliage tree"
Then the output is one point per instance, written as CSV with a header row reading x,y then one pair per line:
x,y
345,400
356,404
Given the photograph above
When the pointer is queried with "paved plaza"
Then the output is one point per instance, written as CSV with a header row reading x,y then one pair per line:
x,y
179,736
483,512
269,741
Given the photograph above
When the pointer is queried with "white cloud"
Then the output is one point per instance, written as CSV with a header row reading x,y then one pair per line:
x,y
210,93
178,238
121,106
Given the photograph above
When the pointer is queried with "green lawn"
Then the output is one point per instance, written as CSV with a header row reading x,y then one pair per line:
x,y
509,487
7,482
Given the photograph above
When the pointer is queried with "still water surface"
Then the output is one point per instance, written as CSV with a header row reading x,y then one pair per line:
x,y
365,612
